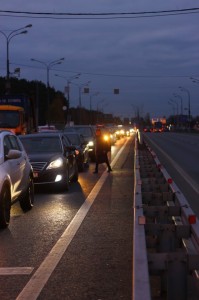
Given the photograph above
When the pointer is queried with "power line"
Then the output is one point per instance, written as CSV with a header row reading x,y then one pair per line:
x,y
109,15
110,75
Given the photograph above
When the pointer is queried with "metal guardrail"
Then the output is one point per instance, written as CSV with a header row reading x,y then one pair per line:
x,y
166,232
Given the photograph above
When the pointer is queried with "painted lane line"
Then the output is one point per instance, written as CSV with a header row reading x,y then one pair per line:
x,y
186,177
36,283
16,271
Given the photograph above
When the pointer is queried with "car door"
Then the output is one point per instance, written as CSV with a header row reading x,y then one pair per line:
x,y
15,167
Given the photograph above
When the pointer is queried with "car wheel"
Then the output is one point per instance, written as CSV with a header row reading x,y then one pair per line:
x,y
26,201
5,206
76,174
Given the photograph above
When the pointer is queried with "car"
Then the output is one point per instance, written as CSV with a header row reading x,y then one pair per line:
x,y
52,158
81,149
88,133
147,129
16,176
47,128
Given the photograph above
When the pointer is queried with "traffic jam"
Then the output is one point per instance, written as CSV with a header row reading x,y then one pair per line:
x,y
49,157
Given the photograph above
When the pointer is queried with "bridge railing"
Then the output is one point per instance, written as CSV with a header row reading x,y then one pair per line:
x,y
166,232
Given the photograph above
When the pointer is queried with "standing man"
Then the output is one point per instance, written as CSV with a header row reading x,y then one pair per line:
x,y
102,147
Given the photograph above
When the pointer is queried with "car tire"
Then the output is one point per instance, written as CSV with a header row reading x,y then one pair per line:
x,y
5,207
27,200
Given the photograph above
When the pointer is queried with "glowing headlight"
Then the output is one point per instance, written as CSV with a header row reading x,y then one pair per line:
x,y
106,137
55,164
90,143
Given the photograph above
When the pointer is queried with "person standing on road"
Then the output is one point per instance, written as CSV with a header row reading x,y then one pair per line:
x,y
102,147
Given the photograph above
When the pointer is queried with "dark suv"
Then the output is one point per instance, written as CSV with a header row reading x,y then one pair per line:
x,y
88,133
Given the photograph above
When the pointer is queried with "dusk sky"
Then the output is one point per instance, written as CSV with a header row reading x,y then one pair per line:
x,y
147,56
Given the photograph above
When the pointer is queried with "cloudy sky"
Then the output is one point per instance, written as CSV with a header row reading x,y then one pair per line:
x,y
146,56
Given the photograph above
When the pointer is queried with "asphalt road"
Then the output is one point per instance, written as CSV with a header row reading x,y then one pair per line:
x,y
77,244
179,154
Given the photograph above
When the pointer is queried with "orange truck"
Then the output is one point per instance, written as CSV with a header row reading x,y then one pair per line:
x,y
17,114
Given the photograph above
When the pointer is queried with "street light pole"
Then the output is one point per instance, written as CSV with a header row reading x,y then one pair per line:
x,y
173,107
95,94
189,102
48,66
98,111
8,38
178,96
177,111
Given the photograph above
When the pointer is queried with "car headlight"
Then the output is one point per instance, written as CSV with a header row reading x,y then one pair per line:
x,y
106,138
90,143
57,163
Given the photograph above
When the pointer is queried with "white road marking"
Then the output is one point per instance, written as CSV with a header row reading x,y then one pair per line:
x,y
36,283
186,177
16,271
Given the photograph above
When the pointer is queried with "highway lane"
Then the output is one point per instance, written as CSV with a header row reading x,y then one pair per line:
x,y
179,154
30,238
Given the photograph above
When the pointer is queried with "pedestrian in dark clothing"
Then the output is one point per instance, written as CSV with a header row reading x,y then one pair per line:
x,y
102,147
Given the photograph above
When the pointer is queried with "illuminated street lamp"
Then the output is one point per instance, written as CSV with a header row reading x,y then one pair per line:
x,y
8,38
189,104
48,66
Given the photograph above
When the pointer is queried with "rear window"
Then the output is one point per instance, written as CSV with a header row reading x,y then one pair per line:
x,y
85,131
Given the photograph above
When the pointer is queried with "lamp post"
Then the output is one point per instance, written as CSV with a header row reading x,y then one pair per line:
x,y
98,111
181,107
80,90
189,102
8,38
177,110
48,66
173,107
69,80
91,96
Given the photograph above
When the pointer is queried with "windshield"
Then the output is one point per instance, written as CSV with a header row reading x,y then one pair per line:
x,y
9,119
85,131
74,139
41,144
